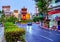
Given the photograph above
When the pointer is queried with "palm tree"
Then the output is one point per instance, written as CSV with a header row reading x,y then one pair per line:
x,y
43,6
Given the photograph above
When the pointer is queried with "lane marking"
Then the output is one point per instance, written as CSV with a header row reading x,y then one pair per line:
x,y
52,33
46,38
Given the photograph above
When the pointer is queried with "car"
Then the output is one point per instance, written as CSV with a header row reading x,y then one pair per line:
x,y
37,22
29,23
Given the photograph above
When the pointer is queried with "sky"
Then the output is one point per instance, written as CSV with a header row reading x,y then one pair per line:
x,y
18,4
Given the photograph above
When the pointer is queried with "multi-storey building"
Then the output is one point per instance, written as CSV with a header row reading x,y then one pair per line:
x,y
54,13
15,13
27,16
24,14
6,10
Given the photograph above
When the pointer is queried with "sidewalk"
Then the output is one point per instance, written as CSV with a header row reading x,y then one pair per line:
x,y
48,28
2,39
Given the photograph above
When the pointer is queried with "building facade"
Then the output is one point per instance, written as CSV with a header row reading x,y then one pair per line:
x,y
15,13
54,13
27,16
24,14
6,10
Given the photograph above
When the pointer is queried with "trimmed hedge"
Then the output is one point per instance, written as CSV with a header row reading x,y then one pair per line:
x,y
25,21
13,33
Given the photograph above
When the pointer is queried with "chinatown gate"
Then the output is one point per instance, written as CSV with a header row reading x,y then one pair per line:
x,y
54,17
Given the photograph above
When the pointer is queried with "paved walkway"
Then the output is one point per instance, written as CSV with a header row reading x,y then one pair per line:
x,y
2,34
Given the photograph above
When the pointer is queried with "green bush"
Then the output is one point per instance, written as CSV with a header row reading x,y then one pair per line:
x,y
26,21
13,33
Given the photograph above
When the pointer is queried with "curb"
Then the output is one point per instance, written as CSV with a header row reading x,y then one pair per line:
x,y
43,27
48,28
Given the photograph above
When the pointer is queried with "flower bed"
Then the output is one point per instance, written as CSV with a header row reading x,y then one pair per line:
x,y
13,33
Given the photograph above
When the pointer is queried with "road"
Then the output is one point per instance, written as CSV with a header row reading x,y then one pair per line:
x,y
36,34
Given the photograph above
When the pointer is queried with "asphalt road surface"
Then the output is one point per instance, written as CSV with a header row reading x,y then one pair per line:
x,y
36,34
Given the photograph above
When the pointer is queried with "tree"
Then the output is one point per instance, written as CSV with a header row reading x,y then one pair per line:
x,y
2,19
11,19
36,19
41,19
43,6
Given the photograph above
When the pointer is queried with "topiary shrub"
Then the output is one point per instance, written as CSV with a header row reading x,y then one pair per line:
x,y
12,33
